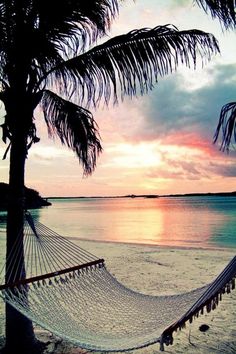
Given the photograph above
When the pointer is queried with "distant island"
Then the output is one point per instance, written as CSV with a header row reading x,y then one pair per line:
x,y
219,194
33,199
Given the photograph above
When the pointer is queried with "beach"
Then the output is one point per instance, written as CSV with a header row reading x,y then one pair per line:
x,y
194,240
158,270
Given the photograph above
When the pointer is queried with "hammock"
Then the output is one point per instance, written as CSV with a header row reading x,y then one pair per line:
x,y
69,292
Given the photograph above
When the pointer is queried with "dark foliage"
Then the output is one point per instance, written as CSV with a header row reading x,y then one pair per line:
x,y
32,198
35,37
74,126
227,126
132,63
224,10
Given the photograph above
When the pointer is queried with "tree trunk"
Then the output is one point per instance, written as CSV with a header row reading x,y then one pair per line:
x,y
20,336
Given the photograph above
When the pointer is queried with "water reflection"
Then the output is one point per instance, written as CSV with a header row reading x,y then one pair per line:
x,y
197,221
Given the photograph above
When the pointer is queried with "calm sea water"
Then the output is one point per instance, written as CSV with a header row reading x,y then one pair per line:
x,y
187,221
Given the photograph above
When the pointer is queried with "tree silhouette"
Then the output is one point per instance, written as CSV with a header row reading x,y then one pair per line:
x,y
49,58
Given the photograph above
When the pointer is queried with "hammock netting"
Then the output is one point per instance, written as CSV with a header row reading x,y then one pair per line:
x,y
69,292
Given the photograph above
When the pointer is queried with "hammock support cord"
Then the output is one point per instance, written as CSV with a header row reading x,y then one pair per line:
x,y
69,292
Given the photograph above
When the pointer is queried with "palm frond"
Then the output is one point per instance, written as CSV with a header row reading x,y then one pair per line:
x,y
65,19
75,128
131,63
48,32
226,126
224,10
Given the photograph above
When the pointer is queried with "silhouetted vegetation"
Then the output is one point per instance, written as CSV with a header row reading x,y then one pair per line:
x,y
32,198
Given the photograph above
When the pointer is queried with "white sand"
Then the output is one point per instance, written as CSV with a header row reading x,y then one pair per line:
x,y
154,270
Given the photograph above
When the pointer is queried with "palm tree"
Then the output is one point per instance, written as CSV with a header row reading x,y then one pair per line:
x,y
48,57
225,11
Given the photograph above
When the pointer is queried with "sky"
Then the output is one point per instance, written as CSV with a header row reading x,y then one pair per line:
x,y
160,143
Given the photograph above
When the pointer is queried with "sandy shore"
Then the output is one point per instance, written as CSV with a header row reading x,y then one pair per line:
x,y
163,270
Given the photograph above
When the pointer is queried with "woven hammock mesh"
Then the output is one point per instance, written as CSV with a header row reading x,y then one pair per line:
x,y
88,306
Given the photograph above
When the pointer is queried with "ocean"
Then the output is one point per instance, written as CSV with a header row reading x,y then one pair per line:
x,y
198,221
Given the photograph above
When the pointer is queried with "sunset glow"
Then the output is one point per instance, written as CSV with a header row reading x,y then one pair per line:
x,y
135,156
160,143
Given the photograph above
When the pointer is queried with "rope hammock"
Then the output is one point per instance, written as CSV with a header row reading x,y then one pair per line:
x,y
69,292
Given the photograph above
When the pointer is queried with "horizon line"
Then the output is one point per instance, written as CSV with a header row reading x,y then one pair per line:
x,y
233,193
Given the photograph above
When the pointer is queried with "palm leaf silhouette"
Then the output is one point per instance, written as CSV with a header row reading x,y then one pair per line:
x,y
74,126
226,126
131,63
224,10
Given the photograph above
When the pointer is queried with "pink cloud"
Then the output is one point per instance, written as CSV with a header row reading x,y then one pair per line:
x,y
192,141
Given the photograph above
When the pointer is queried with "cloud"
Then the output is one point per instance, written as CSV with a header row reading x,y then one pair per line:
x,y
174,109
49,153
178,168
173,112
192,169
173,174
226,169
177,120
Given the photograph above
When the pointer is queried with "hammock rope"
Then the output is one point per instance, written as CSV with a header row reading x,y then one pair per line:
x,y
69,292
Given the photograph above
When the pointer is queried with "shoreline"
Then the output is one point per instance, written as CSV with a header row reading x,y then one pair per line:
x,y
141,244
196,246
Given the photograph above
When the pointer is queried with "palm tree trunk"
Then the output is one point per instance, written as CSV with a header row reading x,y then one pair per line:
x,y
19,330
